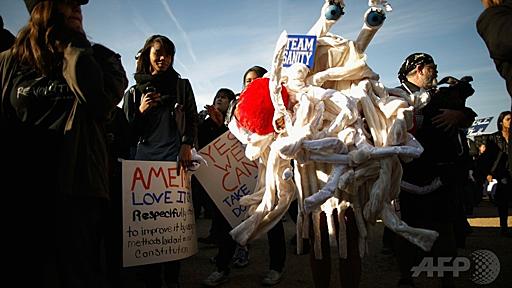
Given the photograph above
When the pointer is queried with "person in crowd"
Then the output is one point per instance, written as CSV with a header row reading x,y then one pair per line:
x,y
6,37
275,236
201,203
201,200
58,90
495,21
349,269
482,166
475,185
433,174
387,241
277,254
293,212
118,144
252,73
211,127
454,96
497,147
162,113
241,257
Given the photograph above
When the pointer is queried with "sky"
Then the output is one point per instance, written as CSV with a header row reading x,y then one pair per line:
x,y
217,41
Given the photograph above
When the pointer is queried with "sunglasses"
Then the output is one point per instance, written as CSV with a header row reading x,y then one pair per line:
x,y
433,66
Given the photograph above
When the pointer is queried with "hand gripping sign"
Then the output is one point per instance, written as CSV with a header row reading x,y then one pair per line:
x,y
158,217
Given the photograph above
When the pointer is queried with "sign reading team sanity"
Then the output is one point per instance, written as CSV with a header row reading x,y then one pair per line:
x,y
479,126
158,216
228,177
300,48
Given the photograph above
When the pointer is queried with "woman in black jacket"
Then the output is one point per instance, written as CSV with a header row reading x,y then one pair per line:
x,y
161,94
57,92
162,112
497,147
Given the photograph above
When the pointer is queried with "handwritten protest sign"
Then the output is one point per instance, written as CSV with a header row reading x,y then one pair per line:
x,y
158,217
228,176
300,48
479,126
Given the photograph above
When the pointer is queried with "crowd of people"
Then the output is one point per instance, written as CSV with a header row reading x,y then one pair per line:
x,y
59,111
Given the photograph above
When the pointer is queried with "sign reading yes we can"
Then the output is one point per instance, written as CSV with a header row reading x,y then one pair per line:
x,y
228,176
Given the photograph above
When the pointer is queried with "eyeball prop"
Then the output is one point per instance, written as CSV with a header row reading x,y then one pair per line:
x,y
334,11
375,18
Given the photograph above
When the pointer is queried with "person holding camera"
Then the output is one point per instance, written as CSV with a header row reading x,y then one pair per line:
x,y
162,113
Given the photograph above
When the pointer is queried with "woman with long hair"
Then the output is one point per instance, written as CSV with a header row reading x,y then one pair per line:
x,y
57,92
497,147
162,112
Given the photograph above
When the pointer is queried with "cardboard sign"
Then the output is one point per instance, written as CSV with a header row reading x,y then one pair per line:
x,y
228,176
479,126
301,49
158,216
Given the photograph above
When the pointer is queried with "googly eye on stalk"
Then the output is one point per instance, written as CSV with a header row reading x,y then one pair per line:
x,y
334,11
375,17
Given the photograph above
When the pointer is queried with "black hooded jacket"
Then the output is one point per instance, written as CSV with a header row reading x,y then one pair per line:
x,y
495,27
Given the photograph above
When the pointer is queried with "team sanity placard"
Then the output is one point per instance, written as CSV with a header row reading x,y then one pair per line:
x,y
301,49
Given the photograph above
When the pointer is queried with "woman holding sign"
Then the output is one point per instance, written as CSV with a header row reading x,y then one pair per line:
x,y
210,129
211,126
162,112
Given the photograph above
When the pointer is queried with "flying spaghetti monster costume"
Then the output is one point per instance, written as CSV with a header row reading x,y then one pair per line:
x,y
345,131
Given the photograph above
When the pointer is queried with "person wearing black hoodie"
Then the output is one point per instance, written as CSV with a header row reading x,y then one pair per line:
x,y
493,25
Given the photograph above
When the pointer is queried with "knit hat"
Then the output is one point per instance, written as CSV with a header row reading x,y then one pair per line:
x,y
411,62
32,3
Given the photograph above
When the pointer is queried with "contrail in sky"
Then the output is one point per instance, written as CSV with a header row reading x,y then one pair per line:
x,y
185,37
279,14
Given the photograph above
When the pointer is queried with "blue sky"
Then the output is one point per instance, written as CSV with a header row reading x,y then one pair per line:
x,y
218,40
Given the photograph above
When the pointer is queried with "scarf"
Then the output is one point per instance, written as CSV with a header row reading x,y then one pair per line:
x,y
164,83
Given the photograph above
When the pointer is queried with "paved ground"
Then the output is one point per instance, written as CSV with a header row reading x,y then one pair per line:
x,y
378,270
